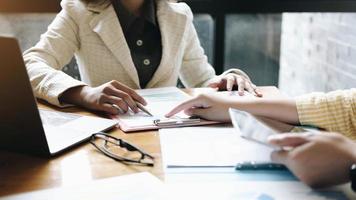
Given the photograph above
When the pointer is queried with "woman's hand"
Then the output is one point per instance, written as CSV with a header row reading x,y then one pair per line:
x,y
110,97
228,81
210,107
319,160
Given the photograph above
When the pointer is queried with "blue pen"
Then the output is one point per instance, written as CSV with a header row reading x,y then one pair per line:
x,y
259,166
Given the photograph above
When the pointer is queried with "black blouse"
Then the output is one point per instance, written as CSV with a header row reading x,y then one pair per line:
x,y
143,36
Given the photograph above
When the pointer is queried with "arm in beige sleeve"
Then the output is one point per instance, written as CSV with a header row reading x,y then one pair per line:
x,y
45,60
195,70
334,111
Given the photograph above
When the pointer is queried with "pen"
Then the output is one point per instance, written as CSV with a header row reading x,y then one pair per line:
x,y
259,166
140,106
143,108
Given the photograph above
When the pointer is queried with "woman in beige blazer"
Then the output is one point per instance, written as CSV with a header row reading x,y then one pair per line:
x,y
93,32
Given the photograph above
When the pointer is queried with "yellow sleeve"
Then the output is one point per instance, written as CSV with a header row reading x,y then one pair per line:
x,y
334,111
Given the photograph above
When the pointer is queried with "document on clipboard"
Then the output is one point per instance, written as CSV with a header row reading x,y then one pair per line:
x,y
160,101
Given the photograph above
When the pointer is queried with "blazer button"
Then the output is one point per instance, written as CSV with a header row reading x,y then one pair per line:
x,y
146,62
139,43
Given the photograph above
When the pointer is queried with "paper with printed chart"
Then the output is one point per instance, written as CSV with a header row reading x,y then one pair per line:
x,y
257,186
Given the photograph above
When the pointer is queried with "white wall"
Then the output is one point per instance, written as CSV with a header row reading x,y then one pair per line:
x,y
318,52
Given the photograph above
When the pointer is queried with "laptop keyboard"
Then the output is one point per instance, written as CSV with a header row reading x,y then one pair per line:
x,y
52,118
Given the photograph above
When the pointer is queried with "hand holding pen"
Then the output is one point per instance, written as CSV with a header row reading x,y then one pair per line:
x,y
110,97
139,105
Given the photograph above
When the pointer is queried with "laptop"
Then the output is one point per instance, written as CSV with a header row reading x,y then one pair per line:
x,y
23,127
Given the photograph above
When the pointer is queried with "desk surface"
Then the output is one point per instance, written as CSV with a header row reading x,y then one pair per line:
x,y
22,173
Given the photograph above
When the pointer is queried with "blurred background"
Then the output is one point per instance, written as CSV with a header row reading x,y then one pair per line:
x,y
313,49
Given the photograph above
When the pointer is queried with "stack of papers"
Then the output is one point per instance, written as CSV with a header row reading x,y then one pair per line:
x,y
199,164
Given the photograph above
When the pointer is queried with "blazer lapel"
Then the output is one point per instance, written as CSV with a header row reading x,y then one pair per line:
x,y
107,26
172,25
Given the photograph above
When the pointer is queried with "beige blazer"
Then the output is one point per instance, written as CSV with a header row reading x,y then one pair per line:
x,y
93,34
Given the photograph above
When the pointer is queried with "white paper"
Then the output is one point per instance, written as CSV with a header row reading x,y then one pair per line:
x,y
209,146
249,127
142,186
160,102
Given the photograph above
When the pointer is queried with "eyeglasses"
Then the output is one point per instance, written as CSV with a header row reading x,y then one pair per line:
x,y
120,150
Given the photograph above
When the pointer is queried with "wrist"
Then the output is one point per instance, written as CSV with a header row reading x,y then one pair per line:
x,y
244,105
349,147
74,95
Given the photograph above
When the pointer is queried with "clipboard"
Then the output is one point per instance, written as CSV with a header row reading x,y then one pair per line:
x,y
160,100
165,123
176,122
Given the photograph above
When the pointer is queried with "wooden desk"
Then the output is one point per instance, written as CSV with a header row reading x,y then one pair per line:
x,y
22,173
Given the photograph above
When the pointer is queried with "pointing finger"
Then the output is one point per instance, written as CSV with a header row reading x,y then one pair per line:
x,y
183,106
